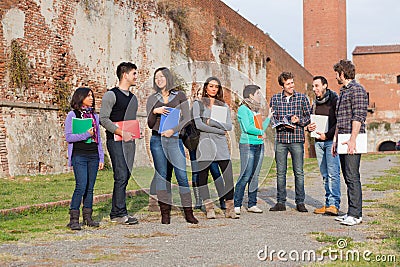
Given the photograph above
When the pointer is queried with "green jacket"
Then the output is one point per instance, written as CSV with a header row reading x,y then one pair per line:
x,y
249,131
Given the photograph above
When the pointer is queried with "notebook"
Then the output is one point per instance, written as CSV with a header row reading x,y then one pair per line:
x,y
219,113
322,125
131,126
170,121
80,126
361,143
258,123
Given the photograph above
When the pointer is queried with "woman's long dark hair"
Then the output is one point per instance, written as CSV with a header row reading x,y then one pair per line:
x,y
169,78
79,95
219,96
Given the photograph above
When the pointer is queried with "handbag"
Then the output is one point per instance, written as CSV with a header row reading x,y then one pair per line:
x,y
189,134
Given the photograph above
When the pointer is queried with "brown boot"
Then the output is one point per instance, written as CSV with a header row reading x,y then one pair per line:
x,y
230,210
209,204
165,206
74,220
153,204
186,200
87,218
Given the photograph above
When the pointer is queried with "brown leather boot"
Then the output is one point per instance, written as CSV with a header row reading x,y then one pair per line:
x,y
74,220
209,204
230,210
87,218
153,204
186,200
165,206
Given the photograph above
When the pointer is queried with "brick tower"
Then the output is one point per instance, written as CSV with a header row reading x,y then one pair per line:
x,y
325,40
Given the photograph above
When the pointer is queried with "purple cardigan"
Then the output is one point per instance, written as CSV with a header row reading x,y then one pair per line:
x,y
71,138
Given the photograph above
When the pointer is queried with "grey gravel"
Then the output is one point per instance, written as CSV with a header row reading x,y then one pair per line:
x,y
219,242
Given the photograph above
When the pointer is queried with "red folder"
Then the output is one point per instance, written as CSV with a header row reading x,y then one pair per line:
x,y
258,122
131,126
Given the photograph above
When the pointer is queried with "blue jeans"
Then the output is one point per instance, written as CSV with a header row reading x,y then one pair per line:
x,y
164,150
351,172
85,171
122,155
251,158
329,167
215,173
296,151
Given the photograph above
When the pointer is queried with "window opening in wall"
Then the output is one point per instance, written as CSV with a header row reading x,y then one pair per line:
x,y
317,44
398,79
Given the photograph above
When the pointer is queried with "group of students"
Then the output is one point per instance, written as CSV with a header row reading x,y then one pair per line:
x,y
212,153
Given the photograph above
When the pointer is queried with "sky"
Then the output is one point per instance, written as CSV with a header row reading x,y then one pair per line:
x,y
369,22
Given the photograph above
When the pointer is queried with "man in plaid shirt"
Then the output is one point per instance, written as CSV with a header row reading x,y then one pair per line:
x,y
351,113
291,114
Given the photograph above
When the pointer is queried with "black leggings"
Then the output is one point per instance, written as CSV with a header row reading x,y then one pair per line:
x,y
227,176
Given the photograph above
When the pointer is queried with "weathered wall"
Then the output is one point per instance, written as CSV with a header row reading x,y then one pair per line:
x,y
73,43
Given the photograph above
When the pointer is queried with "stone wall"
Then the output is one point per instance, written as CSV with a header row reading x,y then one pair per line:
x,y
60,45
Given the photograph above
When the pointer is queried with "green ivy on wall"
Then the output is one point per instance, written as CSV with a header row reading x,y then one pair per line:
x,y
18,67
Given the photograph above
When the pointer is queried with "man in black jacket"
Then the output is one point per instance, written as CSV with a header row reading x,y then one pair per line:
x,y
329,166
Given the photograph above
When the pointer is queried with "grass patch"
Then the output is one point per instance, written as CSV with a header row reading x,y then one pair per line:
x,y
155,234
51,224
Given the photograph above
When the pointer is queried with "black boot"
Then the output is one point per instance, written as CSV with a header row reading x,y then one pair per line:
x,y
197,198
87,218
74,220
165,206
186,200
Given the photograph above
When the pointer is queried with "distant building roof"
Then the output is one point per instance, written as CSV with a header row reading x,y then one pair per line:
x,y
376,49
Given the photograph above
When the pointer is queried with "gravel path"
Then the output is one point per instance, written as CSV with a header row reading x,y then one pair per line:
x,y
220,242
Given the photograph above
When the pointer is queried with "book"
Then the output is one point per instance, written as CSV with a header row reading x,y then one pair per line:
x,y
361,143
170,121
219,113
284,123
258,123
80,126
131,126
321,122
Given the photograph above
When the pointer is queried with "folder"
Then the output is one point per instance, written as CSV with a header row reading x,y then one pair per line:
x,y
219,113
131,126
80,126
170,120
258,123
321,122
361,143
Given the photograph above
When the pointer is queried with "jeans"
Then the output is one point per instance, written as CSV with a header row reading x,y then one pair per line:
x,y
164,150
122,155
251,158
227,179
329,167
296,151
215,173
85,171
351,172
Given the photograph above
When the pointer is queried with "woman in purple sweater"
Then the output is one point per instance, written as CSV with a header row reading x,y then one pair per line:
x,y
85,155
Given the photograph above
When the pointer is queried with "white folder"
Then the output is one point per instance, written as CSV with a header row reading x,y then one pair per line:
x,y
361,143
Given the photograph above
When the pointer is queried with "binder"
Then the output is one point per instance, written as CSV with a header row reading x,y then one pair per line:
x,y
258,123
80,126
361,143
322,124
170,121
131,126
219,113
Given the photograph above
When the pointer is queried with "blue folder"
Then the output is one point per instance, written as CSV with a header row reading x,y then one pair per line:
x,y
170,121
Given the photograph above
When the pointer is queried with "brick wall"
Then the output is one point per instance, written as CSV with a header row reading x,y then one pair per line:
x,y
75,43
378,74
325,41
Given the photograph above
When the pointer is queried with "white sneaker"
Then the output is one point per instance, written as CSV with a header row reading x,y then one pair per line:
x,y
237,210
255,209
350,221
341,218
